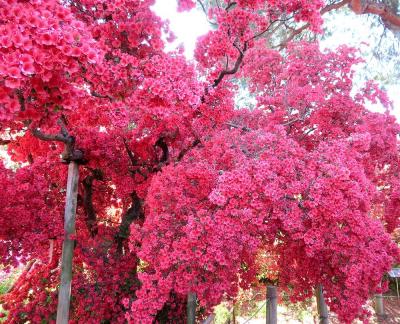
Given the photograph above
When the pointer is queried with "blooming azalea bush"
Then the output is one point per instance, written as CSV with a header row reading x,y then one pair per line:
x,y
179,190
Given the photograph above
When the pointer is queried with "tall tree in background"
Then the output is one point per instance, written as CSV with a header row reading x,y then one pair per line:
x,y
179,190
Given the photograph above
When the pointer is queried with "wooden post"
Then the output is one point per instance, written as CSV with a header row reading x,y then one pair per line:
x,y
321,305
272,305
51,249
191,308
64,293
379,307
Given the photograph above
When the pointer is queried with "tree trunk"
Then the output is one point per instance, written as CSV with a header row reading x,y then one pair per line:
x,y
272,305
321,305
64,293
191,308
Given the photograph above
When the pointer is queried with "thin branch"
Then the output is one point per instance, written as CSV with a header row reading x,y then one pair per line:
x,y
235,68
230,6
239,60
290,122
203,7
130,154
21,99
93,92
310,130
263,31
292,35
62,122
334,6
98,95
134,161
243,128
187,149
306,133
323,11
4,142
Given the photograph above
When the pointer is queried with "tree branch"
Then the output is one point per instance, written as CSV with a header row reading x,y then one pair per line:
x,y
239,60
21,99
259,34
230,6
135,212
379,9
93,92
203,7
187,149
290,122
323,11
90,212
235,68
334,6
130,154
164,147
69,153
243,128
134,161
49,137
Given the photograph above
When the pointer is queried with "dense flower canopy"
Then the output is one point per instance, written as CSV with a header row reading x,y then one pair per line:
x,y
181,189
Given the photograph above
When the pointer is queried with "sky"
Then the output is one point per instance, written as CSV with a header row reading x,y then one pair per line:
x,y
188,26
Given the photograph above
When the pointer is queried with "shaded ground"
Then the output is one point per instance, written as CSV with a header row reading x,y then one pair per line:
x,y
391,304
392,310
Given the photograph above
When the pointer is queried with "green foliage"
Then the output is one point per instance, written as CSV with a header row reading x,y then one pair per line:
x,y
6,281
222,314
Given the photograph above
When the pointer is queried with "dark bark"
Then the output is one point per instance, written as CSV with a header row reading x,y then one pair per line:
x,y
164,147
235,68
134,213
91,219
386,10
70,153
187,149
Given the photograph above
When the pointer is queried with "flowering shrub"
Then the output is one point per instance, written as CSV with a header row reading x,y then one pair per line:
x,y
180,191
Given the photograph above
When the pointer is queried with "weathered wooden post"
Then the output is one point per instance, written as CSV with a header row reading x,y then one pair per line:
x,y
64,293
379,307
51,249
191,308
321,305
272,305
72,157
